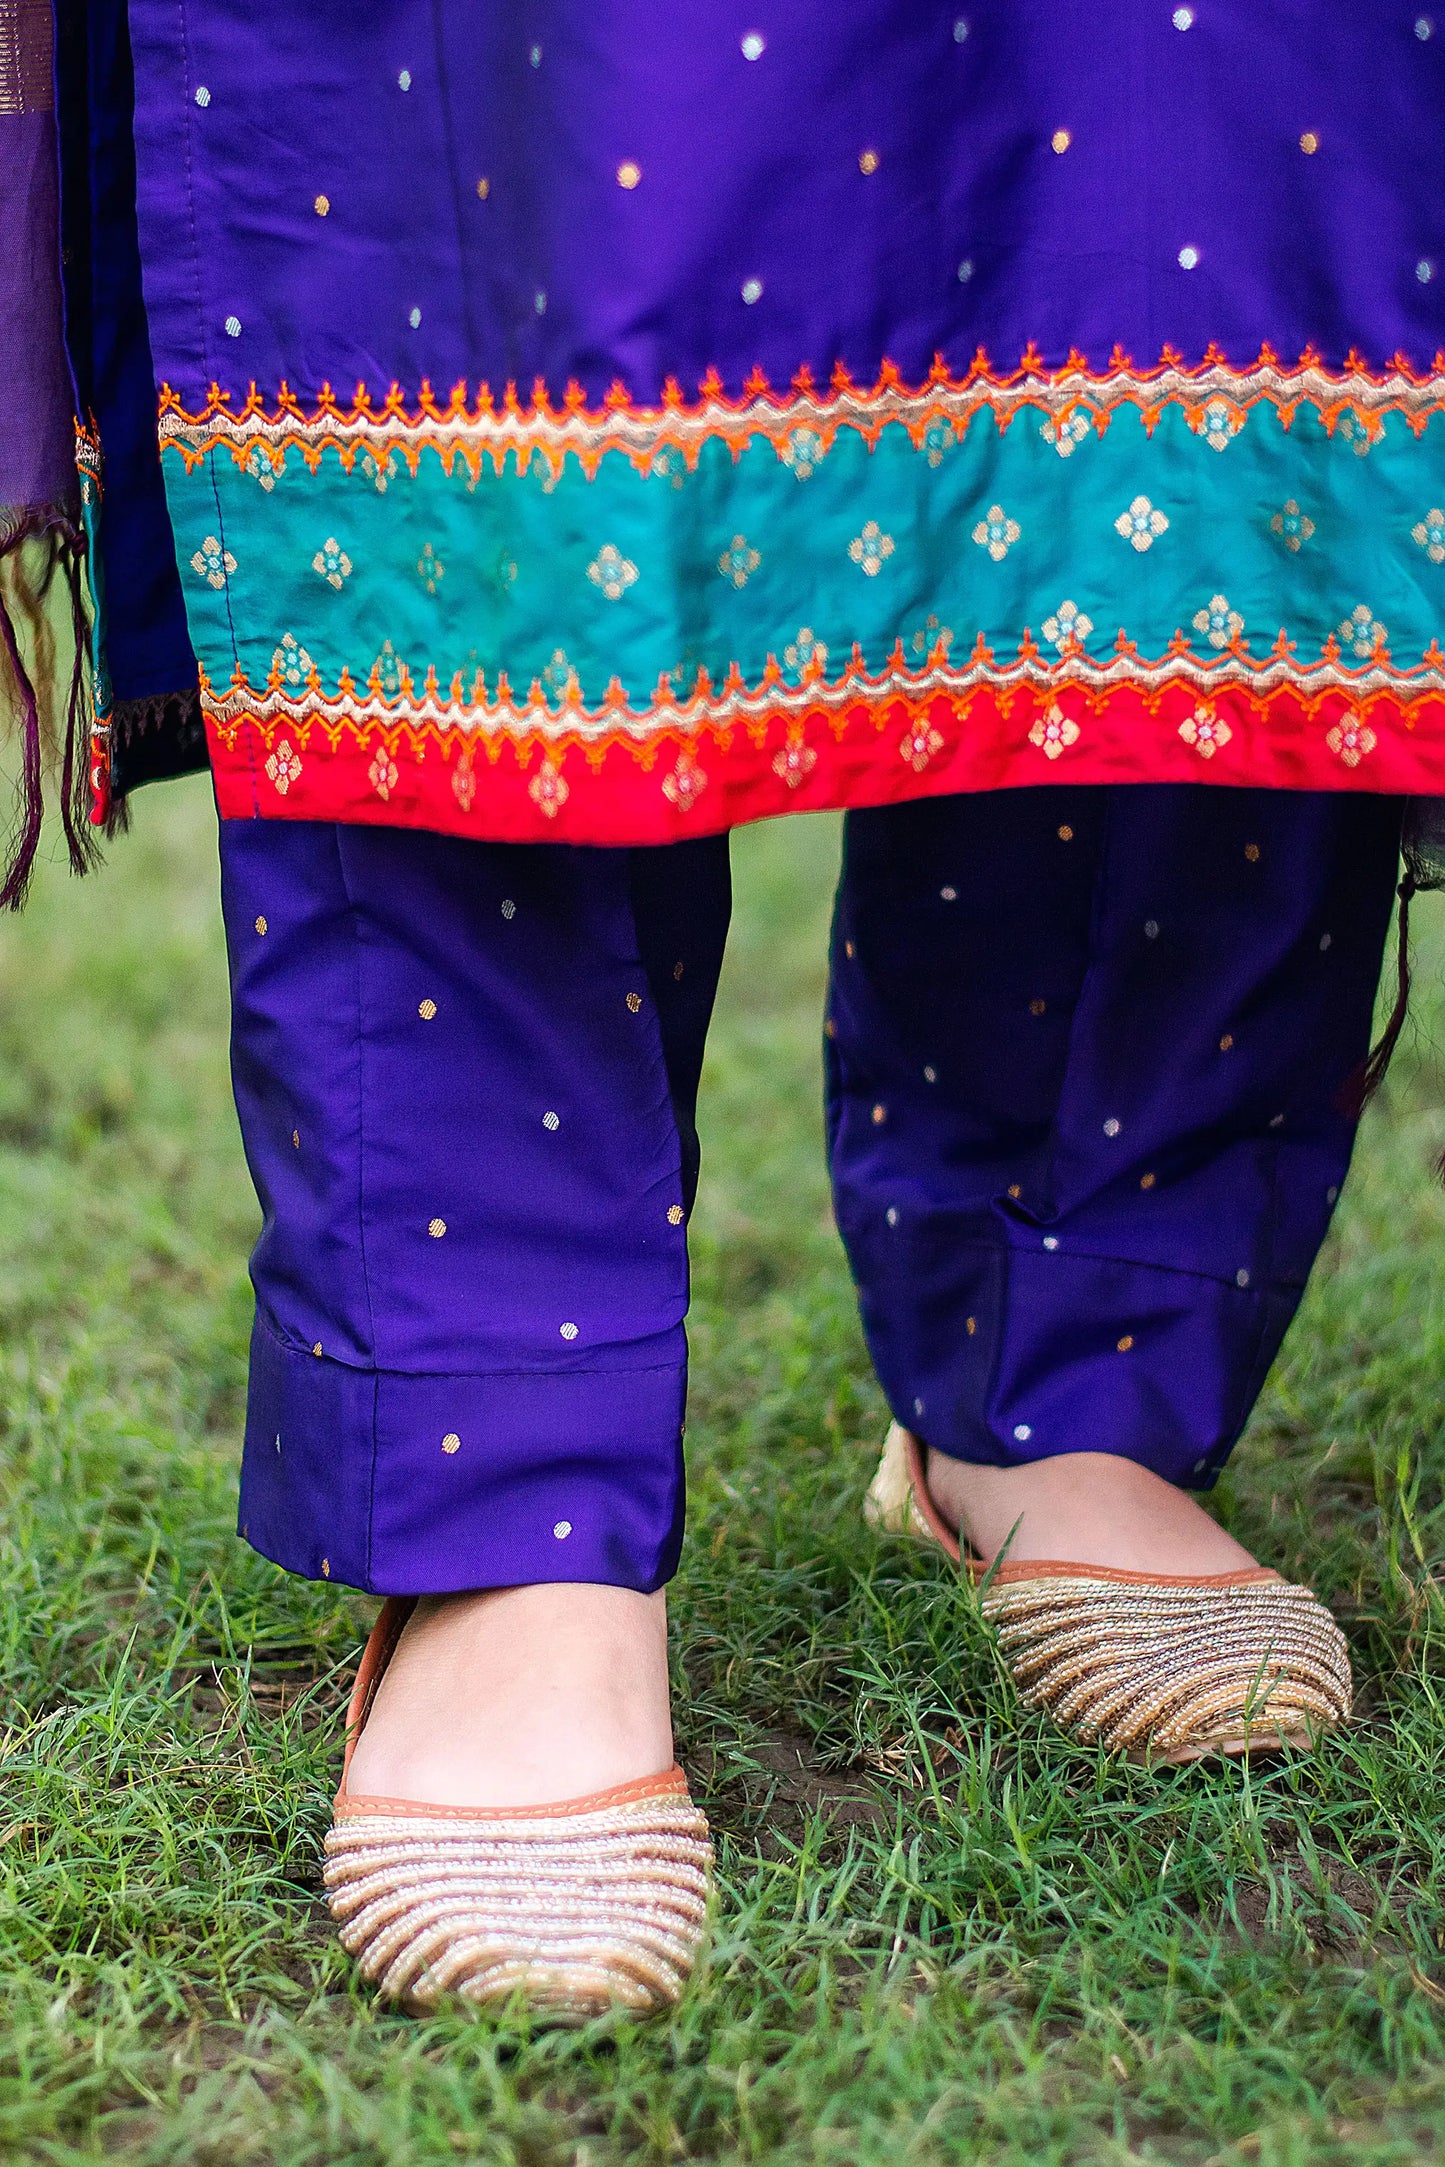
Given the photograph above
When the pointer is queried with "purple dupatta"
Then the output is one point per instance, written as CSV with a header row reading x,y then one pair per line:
x,y
42,622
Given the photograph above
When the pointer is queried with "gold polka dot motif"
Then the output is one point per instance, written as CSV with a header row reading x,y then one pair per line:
x,y
260,925
426,1010
322,206
1309,142
1226,1042
1060,140
451,1443
326,1568
1036,1008
1147,1181
484,188
868,161
880,1115
1066,833
316,1349
1126,1343
634,1002
970,1325
629,173
674,1215
1251,851
296,1139
436,1228
1015,1191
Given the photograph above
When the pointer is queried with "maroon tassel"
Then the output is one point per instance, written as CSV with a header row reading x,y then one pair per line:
x,y
66,557
117,819
75,767
1367,1079
21,855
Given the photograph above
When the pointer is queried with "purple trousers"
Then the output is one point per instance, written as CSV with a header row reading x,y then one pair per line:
x,y
1087,1058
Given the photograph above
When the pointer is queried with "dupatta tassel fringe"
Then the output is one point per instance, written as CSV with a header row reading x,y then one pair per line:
x,y
44,634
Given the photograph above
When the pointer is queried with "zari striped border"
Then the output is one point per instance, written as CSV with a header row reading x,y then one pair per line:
x,y
864,741
486,760
1215,396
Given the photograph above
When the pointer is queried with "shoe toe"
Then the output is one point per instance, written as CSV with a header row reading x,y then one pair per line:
x,y
579,1913
1175,1672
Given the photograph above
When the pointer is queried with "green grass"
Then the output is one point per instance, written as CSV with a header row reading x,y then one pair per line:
x,y
942,1932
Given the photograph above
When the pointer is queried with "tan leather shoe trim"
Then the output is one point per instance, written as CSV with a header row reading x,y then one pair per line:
x,y
671,1783
1015,1569
945,1536
380,1648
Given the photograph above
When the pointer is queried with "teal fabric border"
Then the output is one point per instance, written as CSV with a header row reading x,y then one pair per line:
x,y
633,573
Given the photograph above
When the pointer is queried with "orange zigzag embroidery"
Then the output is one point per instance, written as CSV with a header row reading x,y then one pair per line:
x,y
497,713
1215,396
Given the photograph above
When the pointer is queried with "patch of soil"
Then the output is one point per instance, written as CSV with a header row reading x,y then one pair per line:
x,y
770,1788
1345,1929
281,1673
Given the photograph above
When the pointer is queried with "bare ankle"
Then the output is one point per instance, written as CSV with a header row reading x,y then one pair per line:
x,y
1087,1508
521,1696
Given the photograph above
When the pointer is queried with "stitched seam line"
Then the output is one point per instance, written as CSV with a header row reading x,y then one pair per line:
x,y
464,255
428,1376
337,844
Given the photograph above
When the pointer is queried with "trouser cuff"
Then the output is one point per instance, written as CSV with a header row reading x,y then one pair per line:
x,y
427,1485
1027,1355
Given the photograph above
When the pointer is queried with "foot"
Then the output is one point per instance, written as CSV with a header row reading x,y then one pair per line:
x,y
520,1697
1086,1508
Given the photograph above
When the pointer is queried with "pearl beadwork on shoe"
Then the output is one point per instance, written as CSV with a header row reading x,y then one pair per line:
x,y
1173,1669
580,1910
591,1904
1174,1672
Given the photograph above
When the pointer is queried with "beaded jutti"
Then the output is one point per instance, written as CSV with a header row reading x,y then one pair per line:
x,y
594,1904
1159,1668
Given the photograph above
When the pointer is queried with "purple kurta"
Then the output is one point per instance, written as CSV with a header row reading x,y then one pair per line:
x,y
609,426
746,125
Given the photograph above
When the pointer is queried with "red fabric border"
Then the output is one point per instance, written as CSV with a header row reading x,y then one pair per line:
x,y
501,788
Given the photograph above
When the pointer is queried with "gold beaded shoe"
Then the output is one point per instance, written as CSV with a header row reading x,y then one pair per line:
x,y
594,1904
1155,1666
